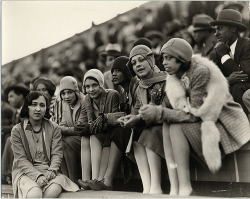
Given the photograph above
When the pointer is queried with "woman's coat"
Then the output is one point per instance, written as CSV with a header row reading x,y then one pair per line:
x,y
24,150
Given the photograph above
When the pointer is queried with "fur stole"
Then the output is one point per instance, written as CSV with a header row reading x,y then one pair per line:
x,y
209,111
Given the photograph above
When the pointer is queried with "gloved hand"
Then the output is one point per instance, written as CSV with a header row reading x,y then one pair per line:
x,y
99,125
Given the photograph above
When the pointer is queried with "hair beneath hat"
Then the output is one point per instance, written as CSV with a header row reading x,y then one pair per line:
x,y
33,95
51,87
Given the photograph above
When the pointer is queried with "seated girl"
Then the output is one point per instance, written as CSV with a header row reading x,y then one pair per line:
x,y
148,149
213,127
99,106
71,127
37,148
121,77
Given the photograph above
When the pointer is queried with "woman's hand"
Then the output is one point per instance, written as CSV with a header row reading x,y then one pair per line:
x,y
148,112
51,174
42,181
129,121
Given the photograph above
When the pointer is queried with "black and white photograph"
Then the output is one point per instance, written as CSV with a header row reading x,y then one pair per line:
x,y
125,99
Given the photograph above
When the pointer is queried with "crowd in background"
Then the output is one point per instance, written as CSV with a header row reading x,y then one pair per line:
x,y
50,74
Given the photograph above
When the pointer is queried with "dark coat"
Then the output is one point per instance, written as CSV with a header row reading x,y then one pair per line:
x,y
241,62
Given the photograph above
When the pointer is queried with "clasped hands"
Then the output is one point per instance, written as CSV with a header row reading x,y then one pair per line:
x,y
146,112
42,180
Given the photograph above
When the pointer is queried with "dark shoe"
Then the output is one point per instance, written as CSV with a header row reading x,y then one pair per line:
x,y
104,187
94,186
84,184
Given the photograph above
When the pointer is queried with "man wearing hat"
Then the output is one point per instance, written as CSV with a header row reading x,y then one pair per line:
x,y
204,35
233,52
16,95
112,51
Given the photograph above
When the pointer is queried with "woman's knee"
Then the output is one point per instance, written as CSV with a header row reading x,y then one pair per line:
x,y
53,191
35,192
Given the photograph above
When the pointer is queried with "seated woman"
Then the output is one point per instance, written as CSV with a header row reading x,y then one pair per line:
x,y
71,127
214,125
121,77
36,144
99,106
148,149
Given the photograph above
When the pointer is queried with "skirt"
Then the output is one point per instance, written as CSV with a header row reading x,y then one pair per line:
x,y
151,138
105,137
120,136
25,184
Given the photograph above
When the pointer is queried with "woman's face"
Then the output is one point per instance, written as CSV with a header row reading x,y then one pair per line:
x,y
170,64
141,67
37,109
42,88
92,88
69,96
118,77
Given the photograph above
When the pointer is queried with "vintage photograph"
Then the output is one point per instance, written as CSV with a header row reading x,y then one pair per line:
x,y
125,99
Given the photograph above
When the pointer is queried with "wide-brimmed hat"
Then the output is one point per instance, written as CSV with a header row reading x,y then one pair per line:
x,y
201,22
111,50
17,87
229,17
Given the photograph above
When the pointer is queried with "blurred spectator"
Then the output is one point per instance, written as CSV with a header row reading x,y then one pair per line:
x,y
187,35
163,15
16,94
157,39
146,23
143,41
111,52
201,7
204,36
171,28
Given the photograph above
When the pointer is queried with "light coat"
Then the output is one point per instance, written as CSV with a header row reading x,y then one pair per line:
x,y
24,152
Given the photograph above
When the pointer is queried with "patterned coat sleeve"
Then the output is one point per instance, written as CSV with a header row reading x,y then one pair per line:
x,y
199,78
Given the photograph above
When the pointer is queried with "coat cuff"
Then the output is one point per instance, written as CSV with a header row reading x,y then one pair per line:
x,y
225,58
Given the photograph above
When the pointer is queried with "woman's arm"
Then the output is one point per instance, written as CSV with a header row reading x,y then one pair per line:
x,y
21,161
81,126
56,149
198,90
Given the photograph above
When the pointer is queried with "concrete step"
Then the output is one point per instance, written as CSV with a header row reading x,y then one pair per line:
x,y
203,189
